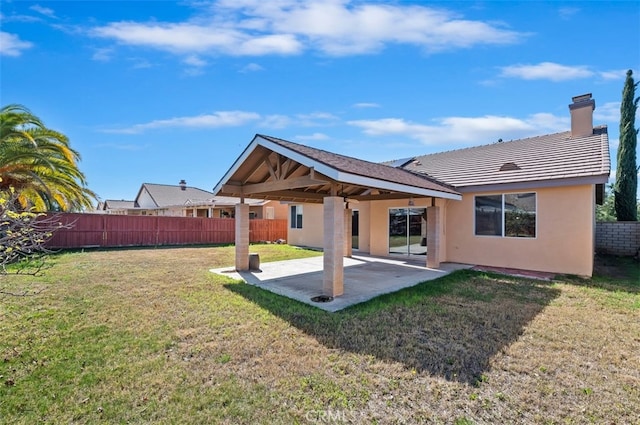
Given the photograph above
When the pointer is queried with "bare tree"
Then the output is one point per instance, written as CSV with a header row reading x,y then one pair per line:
x,y
23,235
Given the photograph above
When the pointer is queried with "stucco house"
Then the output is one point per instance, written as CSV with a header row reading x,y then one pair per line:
x,y
186,201
526,204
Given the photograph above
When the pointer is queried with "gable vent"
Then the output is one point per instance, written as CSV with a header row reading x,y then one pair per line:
x,y
509,166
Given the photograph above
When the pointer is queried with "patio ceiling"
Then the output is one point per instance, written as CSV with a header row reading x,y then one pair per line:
x,y
276,169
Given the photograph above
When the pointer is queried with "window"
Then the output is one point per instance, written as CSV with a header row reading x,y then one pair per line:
x,y
296,216
510,215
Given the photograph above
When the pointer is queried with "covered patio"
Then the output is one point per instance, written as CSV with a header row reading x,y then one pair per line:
x,y
365,277
275,169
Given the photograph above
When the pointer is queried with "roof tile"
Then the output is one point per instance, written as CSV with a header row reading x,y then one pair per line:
x,y
364,168
548,157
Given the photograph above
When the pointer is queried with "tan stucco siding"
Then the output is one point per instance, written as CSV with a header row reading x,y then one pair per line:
x,y
311,234
281,210
564,241
364,225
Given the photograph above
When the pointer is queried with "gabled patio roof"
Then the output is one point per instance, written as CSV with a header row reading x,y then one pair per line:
x,y
272,168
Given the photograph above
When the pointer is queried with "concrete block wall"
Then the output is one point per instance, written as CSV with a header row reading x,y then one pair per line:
x,y
618,238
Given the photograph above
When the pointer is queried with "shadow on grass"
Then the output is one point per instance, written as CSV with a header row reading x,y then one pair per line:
x,y
616,273
449,327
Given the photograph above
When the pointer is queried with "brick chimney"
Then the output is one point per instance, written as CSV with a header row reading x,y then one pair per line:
x,y
183,184
582,115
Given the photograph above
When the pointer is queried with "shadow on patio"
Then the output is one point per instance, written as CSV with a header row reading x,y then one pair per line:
x,y
449,327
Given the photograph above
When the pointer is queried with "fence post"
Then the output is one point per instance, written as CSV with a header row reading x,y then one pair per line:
x,y
157,231
104,231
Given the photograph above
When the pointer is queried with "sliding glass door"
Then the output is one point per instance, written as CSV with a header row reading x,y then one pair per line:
x,y
408,231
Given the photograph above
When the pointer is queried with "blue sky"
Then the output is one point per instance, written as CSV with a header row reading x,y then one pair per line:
x,y
159,91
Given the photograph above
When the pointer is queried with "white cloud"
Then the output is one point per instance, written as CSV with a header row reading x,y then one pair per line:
x,y
195,65
215,120
193,72
139,63
608,112
43,10
195,61
11,45
618,74
20,18
613,144
123,147
568,12
546,71
252,67
312,137
276,121
192,38
365,105
333,27
464,130
102,55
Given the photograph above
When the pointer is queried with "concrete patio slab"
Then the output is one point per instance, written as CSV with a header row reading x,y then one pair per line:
x,y
365,277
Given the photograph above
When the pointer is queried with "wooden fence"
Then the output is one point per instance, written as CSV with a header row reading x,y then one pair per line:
x,y
103,230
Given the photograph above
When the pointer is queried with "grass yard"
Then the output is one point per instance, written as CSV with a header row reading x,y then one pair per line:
x,y
150,336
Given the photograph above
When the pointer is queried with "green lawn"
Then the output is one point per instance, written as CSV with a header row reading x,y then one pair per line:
x,y
151,336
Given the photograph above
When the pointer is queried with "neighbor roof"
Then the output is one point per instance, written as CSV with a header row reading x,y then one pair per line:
x,y
117,204
165,195
547,158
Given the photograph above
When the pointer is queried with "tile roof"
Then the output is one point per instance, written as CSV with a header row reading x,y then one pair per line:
x,y
548,157
115,204
364,168
166,195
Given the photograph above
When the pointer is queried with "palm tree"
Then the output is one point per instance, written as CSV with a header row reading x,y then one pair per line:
x,y
39,165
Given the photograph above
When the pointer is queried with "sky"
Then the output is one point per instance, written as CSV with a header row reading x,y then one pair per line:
x,y
160,91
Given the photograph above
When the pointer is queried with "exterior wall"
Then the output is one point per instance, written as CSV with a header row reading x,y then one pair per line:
x,y
145,200
618,238
564,242
364,228
312,231
311,234
281,210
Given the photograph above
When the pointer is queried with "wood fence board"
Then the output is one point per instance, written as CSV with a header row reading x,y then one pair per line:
x,y
103,230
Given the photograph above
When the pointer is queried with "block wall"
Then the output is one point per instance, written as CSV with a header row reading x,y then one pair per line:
x,y
618,238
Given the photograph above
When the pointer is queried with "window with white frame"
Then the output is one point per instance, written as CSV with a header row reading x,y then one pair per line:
x,y
507,215
296,216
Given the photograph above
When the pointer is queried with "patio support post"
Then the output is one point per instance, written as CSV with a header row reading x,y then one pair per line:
x,y
348,240
242,237
333,274
433,237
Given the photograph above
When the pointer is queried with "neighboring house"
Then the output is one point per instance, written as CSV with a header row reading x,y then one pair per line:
x,y
113,206
525,204
184,201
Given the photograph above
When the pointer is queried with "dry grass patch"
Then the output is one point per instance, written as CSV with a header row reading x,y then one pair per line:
x,y
151,336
